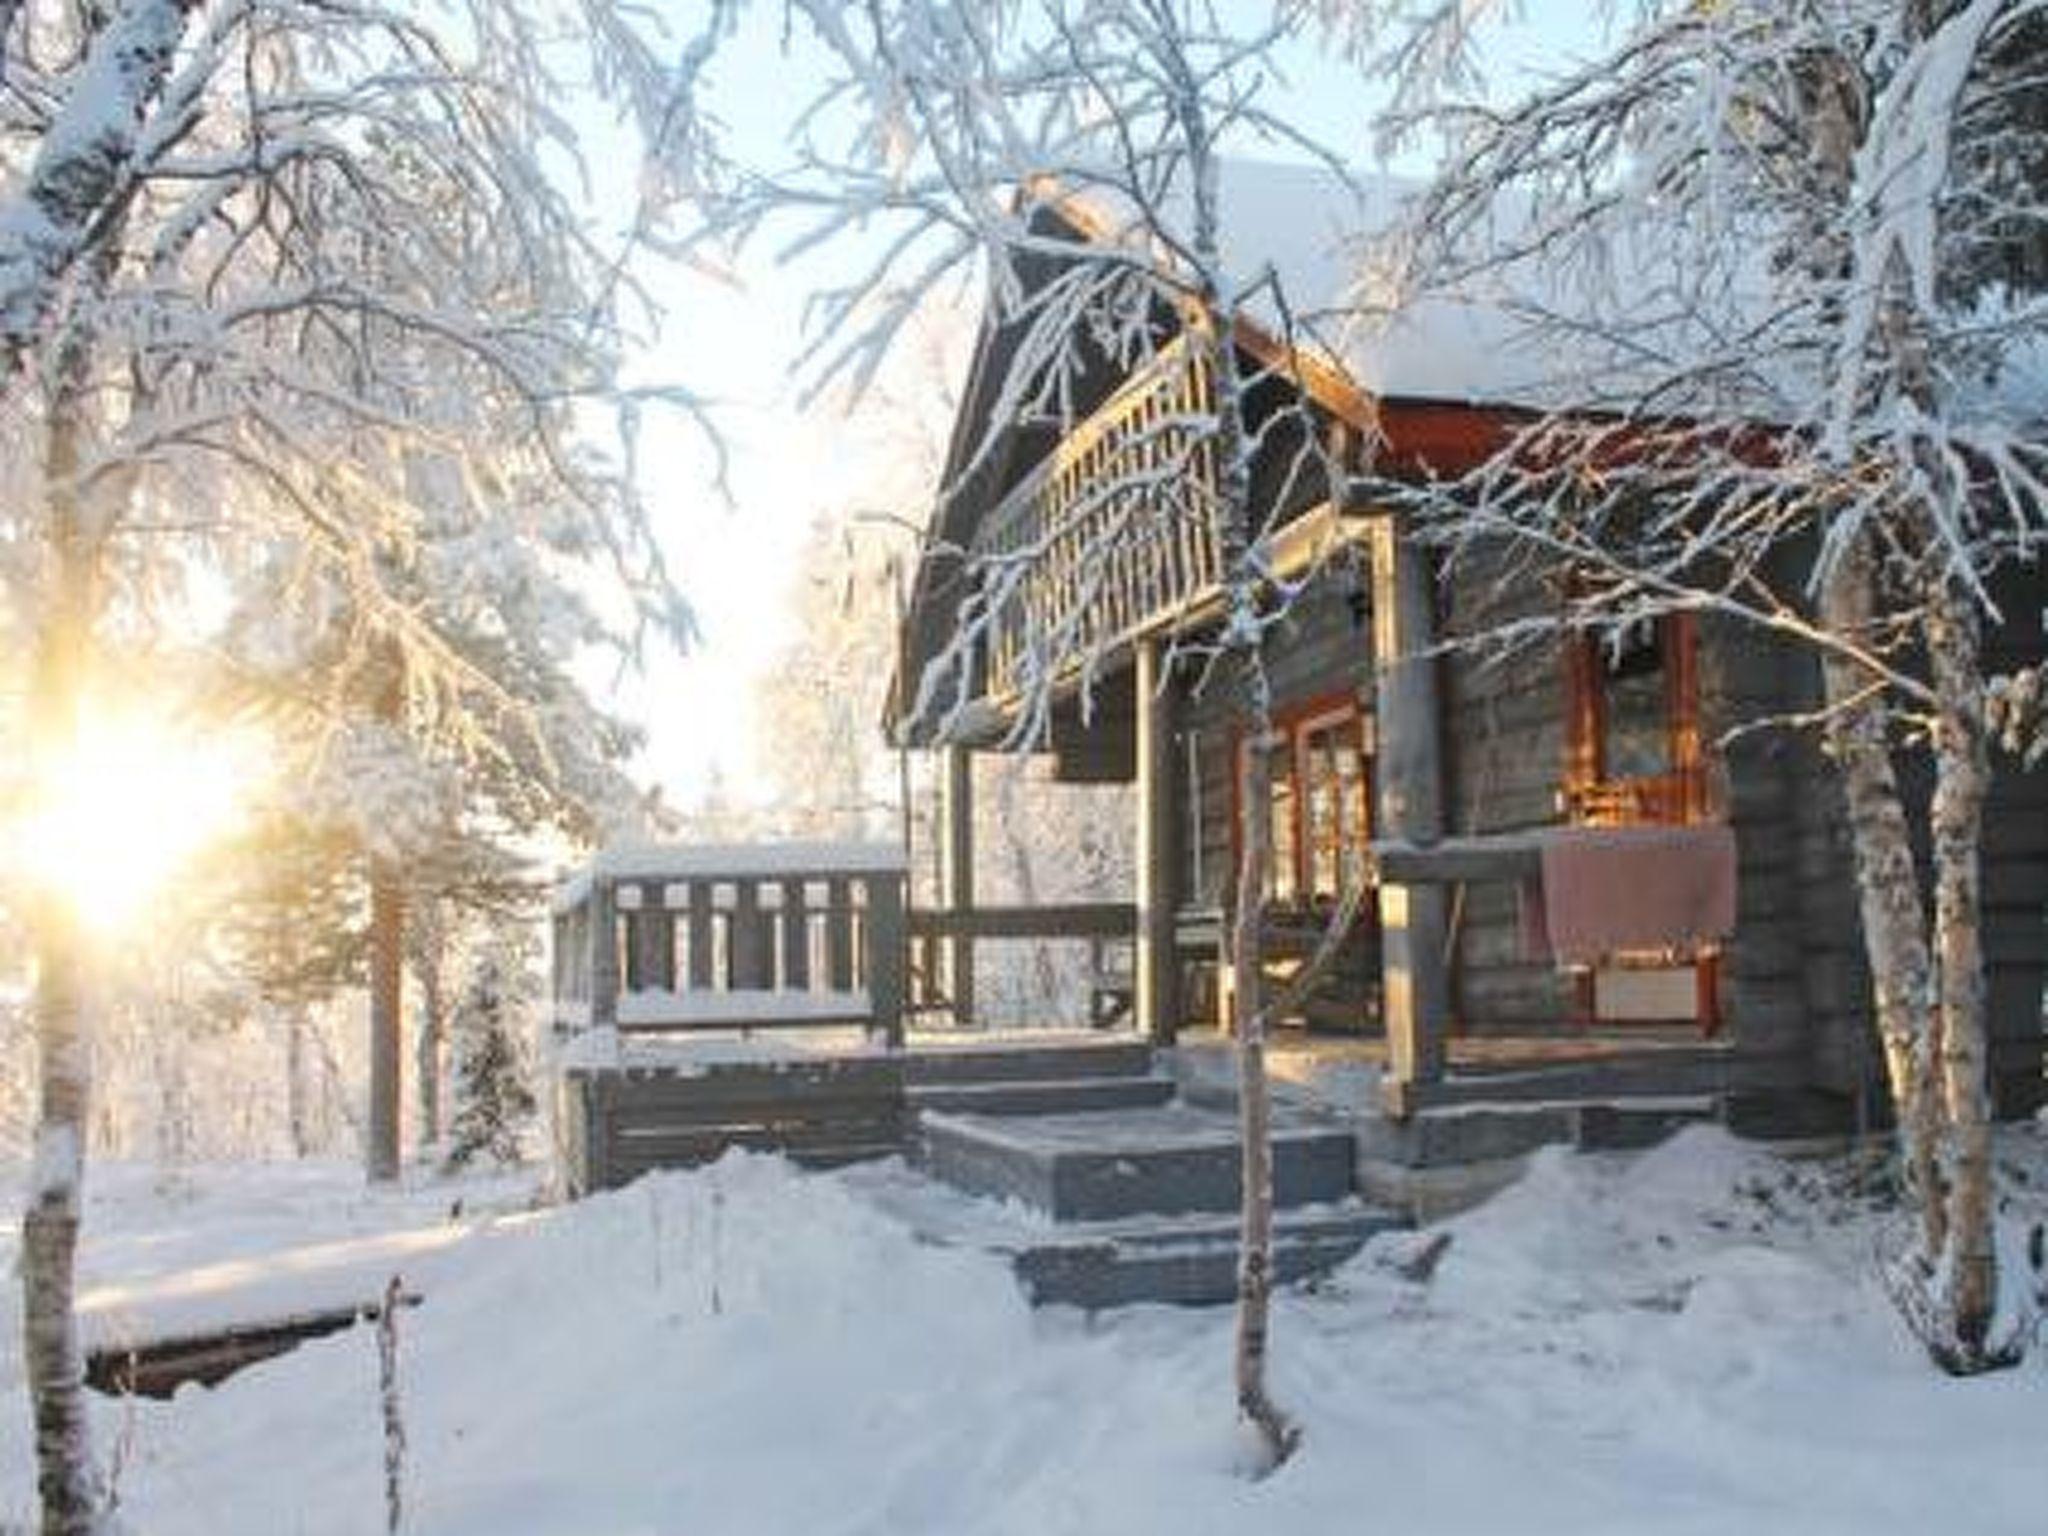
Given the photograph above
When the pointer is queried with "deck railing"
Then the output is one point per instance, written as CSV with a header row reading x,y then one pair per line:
x,y
764,936
1114,528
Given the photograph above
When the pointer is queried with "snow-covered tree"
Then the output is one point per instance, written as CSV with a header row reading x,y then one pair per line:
x,y
947,141
493,1019
1786,262
258,260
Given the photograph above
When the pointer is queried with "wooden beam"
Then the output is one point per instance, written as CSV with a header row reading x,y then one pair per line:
x,y
1058,920
1458,860
1409,775
956,871
1157,969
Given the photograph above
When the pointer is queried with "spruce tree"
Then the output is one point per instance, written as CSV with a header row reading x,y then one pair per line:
x,y
493,1085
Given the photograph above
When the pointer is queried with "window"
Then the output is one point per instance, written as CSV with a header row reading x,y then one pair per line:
x,y
1633,750
1318,804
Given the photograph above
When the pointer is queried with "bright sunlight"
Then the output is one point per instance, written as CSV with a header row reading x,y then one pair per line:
x,y
135,801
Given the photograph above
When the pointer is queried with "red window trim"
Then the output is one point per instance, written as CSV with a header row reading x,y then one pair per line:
x,y
1589,796
1294,723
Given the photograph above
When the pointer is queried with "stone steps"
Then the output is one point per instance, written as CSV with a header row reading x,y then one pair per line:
x,y
1112,1192
1007,1061
1119,1264
1052,1096
1169,1160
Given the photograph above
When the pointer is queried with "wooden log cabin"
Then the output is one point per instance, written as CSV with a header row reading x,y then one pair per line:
x,y
1456,764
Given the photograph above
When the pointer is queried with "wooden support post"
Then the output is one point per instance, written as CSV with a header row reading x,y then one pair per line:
x,y
887,944
1157,972
1409,772
604,952
956,873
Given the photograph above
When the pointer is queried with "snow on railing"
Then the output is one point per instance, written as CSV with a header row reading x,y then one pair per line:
x,y
756,936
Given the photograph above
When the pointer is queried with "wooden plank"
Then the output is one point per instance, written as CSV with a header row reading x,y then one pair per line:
x,y
651,953
701,921
670,1090
764,1009
1459,860
604,952
839,934
751,944
156,1368
1157,1001
796,937
1052,920
956,872
596,1100
887,956
1648,1075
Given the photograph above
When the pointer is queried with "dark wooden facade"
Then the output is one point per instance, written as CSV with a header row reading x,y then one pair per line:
x,y
1472,744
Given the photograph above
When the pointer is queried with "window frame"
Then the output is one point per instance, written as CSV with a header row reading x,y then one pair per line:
x,y
1589,794
1293,727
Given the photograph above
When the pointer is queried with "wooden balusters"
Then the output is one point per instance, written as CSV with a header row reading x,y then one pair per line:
x,y
839,934
734,938
1113,524
796,937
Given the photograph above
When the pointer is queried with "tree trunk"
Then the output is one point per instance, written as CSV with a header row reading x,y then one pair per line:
x,y
51,1353
1232,510
387,966
1255,1115
387,1019
1970,1266
297,1113
1888,895
433,1032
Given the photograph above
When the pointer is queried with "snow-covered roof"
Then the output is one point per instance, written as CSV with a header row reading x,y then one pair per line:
x,y
1324,237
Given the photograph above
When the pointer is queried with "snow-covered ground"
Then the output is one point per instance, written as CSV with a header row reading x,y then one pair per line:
x,y
1692,1340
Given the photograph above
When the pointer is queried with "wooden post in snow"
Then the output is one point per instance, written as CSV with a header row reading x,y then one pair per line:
x,y
1409,773
1157,977
956,872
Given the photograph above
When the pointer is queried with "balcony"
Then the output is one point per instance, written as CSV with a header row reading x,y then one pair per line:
x,y
1111,534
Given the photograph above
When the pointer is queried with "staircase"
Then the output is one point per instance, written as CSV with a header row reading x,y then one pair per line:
x,y
1035,1079
1116,1193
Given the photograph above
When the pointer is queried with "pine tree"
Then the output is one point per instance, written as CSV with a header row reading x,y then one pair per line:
x,y
493,1079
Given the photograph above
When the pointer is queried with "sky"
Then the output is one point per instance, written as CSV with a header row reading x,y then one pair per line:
x,y
737,338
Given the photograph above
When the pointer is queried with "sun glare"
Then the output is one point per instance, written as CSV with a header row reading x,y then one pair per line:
x,y
137,799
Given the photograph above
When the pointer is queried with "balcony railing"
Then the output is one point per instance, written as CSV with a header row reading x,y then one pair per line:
x,y
1112,531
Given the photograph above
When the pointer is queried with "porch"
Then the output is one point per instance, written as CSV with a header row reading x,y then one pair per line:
x,y
766,997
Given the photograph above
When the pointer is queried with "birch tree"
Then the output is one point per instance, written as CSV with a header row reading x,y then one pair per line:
x,y
1787,261
948,143
246,248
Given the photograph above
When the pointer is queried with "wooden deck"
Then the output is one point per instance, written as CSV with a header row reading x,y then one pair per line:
x,y
822,1103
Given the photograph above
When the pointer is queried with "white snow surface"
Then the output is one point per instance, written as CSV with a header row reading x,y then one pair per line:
x,y
1325,239
1692,1340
